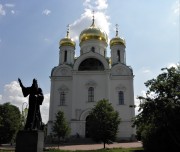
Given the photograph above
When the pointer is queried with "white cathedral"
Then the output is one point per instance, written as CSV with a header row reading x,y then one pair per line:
x,y
77,84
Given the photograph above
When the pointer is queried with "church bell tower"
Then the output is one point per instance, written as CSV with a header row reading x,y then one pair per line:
x,y
67,49
117,46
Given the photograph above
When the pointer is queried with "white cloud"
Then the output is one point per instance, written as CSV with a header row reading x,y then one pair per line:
x,y
9,5
45,108
146,70
12,12
143,92
13,94
136,102
86,4
46,12
85,20
96,5
175,12
47,40
176,7
152,95
101,4
2,10
173,65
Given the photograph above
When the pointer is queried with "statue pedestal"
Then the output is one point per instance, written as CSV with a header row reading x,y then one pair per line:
x,y
30,141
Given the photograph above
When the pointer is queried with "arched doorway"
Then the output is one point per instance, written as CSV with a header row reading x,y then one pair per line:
x,y
87,127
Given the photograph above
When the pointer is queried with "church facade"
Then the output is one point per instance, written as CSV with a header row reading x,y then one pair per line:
x,y
78,83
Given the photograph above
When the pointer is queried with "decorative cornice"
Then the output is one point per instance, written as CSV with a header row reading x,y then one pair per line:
x,y
63,88
120,87
91,83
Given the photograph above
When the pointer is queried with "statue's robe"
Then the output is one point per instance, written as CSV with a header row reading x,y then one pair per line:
x,y
34,120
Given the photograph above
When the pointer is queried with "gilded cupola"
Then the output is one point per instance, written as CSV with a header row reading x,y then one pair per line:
x,y
93,33
67,41
117,40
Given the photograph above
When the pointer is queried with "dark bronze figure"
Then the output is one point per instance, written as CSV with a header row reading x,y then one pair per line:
x,y
34,120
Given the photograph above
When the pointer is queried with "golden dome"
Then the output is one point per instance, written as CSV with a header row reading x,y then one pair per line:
x,y
67,41
117,40
93,33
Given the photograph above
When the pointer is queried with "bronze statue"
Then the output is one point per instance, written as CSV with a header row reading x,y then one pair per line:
x,y
34,120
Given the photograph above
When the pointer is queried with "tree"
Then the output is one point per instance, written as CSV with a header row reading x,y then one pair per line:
x,y
158,123
60,126
10,122
103,122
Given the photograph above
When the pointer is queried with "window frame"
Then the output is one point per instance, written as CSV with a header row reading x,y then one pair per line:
x,y
119,55
91,94
121,97
65,56
62,98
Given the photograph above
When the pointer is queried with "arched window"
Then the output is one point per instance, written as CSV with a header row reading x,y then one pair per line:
x,y
91,94
118,54
65,56
91,64
121,97
93,49
62,98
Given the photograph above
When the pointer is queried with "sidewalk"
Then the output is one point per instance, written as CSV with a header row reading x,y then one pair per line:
x,y
83,147
99,146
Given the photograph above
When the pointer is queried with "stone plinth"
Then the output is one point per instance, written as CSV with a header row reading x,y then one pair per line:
x,y
30,141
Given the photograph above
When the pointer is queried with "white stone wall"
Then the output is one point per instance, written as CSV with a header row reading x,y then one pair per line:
x,y
100,47
114,57
126,113
70,54
106,85
80,90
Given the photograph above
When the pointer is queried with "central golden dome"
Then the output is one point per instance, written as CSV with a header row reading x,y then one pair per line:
x,y
93,32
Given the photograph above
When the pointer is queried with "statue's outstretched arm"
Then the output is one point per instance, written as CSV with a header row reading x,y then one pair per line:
x,y
25,90
20,83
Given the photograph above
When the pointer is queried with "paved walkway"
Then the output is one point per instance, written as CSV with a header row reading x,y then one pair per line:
x,y
84,147
99,146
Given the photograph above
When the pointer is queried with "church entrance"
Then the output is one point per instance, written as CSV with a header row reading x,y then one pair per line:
x,y
87,127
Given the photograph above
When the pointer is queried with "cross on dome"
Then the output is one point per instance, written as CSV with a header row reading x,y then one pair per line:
x,y
67,41
93,19
117,30
68,29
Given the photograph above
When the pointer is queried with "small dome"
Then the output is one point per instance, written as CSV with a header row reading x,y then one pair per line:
x,y
67,41
117,40
93,33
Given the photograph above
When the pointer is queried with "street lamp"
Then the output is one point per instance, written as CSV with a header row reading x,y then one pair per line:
x,y
24,112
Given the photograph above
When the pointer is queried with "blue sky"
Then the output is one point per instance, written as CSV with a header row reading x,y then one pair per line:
x,y
30,32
